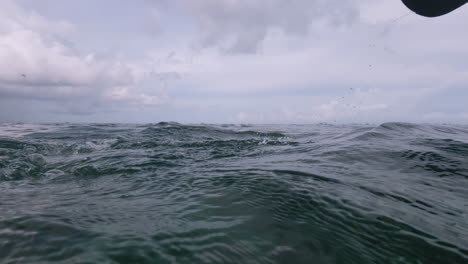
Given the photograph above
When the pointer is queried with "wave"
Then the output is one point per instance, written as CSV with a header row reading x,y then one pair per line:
x,y
168,192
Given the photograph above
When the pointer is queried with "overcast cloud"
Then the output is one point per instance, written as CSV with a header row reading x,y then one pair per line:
x,y
240,26
230,61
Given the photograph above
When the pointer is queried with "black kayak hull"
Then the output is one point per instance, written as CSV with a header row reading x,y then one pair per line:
x,y
433,8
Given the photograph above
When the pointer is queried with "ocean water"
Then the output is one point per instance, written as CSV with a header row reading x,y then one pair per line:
x,y
172,193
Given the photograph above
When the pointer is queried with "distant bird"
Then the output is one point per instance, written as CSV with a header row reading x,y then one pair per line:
x,y
23,75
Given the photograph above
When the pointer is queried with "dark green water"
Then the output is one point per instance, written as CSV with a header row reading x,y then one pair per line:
x,y
170,193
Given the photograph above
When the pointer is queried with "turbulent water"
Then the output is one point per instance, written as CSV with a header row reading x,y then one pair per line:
x,y
172,193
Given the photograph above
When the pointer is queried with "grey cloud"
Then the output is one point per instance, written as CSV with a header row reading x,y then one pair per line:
x,y
240,26
36,63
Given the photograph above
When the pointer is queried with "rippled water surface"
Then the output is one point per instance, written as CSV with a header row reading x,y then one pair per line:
x,y
171,193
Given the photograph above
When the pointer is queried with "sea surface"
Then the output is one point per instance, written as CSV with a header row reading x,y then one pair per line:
x,y
173,193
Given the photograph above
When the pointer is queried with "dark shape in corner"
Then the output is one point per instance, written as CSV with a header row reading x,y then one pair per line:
x,y
433,8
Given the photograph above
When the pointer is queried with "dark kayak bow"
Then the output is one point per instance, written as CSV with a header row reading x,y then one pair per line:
x,y
433,8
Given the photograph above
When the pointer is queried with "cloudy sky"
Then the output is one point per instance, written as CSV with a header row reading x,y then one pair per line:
x,y
231,61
